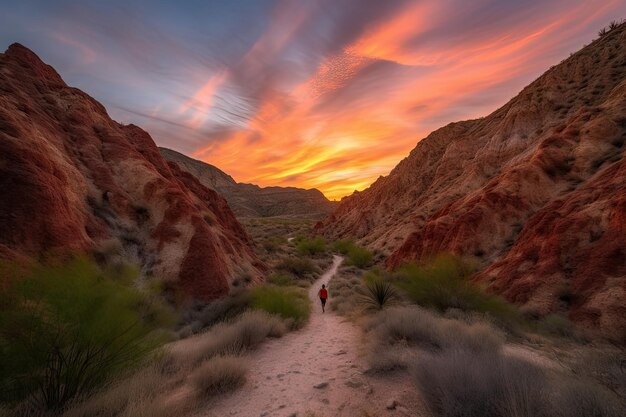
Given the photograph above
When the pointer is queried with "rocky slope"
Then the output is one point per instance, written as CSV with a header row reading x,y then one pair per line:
x,y
72,179
252,200
535,193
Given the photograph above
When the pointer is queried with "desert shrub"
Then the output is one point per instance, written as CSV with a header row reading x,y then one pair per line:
x,y
68,328
300,267
219,375
233,338
343,246
584,398
126,396
280,279
357,256
389,359
273,243
313,246
360,257
462,383
288,303
418,327
444,283
222,309
378,293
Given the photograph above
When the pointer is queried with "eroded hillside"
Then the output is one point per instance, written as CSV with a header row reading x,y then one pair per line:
x,y
534,193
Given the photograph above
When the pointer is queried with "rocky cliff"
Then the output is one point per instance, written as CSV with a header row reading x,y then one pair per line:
x,y
534,193
72,179
252,200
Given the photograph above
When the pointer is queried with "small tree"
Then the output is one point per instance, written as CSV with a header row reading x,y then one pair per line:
x,y
66,329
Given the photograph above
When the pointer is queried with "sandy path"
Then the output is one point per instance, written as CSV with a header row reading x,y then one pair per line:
x,y
285,371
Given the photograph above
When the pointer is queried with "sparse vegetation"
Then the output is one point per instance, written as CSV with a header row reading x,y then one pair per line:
x,y
356,255
137,395
287,302
613,25
344,290
219,375
443,283
300,267
311,247
360,257
378,293
462,383
397,332
68,328
280,279
213,360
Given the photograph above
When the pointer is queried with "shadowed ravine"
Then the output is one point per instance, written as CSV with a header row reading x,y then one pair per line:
x,y
284,372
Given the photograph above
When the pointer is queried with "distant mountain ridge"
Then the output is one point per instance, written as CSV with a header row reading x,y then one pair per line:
x,y
534,193
250,199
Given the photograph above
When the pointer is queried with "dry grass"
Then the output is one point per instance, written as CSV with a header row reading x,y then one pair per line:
x,y
398,332
122,398
463,383
422,328
219,375
585,398
245,333
344,290
213,359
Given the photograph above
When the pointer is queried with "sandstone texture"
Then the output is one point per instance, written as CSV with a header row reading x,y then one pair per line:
x,y
534,193
249,200
72,179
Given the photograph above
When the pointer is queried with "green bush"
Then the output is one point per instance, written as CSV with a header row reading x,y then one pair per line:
x,y
360,257
287,302
282,280
311,247
343,246
67,328
445,283
357,256
297,266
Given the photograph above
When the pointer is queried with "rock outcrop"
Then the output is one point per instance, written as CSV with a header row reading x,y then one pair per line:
x,y
72,179
534,193
251,200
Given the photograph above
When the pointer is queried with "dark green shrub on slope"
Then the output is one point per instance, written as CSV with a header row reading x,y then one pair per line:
x,y
68,328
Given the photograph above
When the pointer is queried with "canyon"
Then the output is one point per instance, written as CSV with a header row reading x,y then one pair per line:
x,y
533,194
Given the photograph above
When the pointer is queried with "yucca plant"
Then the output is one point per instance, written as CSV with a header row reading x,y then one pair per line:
x,y
378,294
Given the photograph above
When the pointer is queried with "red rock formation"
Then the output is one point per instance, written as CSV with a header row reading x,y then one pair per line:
x,y
73,179
533,192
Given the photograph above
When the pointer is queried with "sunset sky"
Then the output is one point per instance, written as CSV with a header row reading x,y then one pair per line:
x,y
319,93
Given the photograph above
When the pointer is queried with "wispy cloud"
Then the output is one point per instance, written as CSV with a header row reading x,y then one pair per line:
x,y
322,93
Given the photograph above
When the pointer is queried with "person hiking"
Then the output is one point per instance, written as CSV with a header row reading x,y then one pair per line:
x,y
323,294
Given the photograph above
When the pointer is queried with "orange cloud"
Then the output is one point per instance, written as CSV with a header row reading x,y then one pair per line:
x,y
341,128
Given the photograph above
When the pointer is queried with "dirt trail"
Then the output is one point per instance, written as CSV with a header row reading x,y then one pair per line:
x,y
317,369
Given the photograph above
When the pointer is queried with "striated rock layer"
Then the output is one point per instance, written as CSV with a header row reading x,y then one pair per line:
x,y
535,193
72,179
251,200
